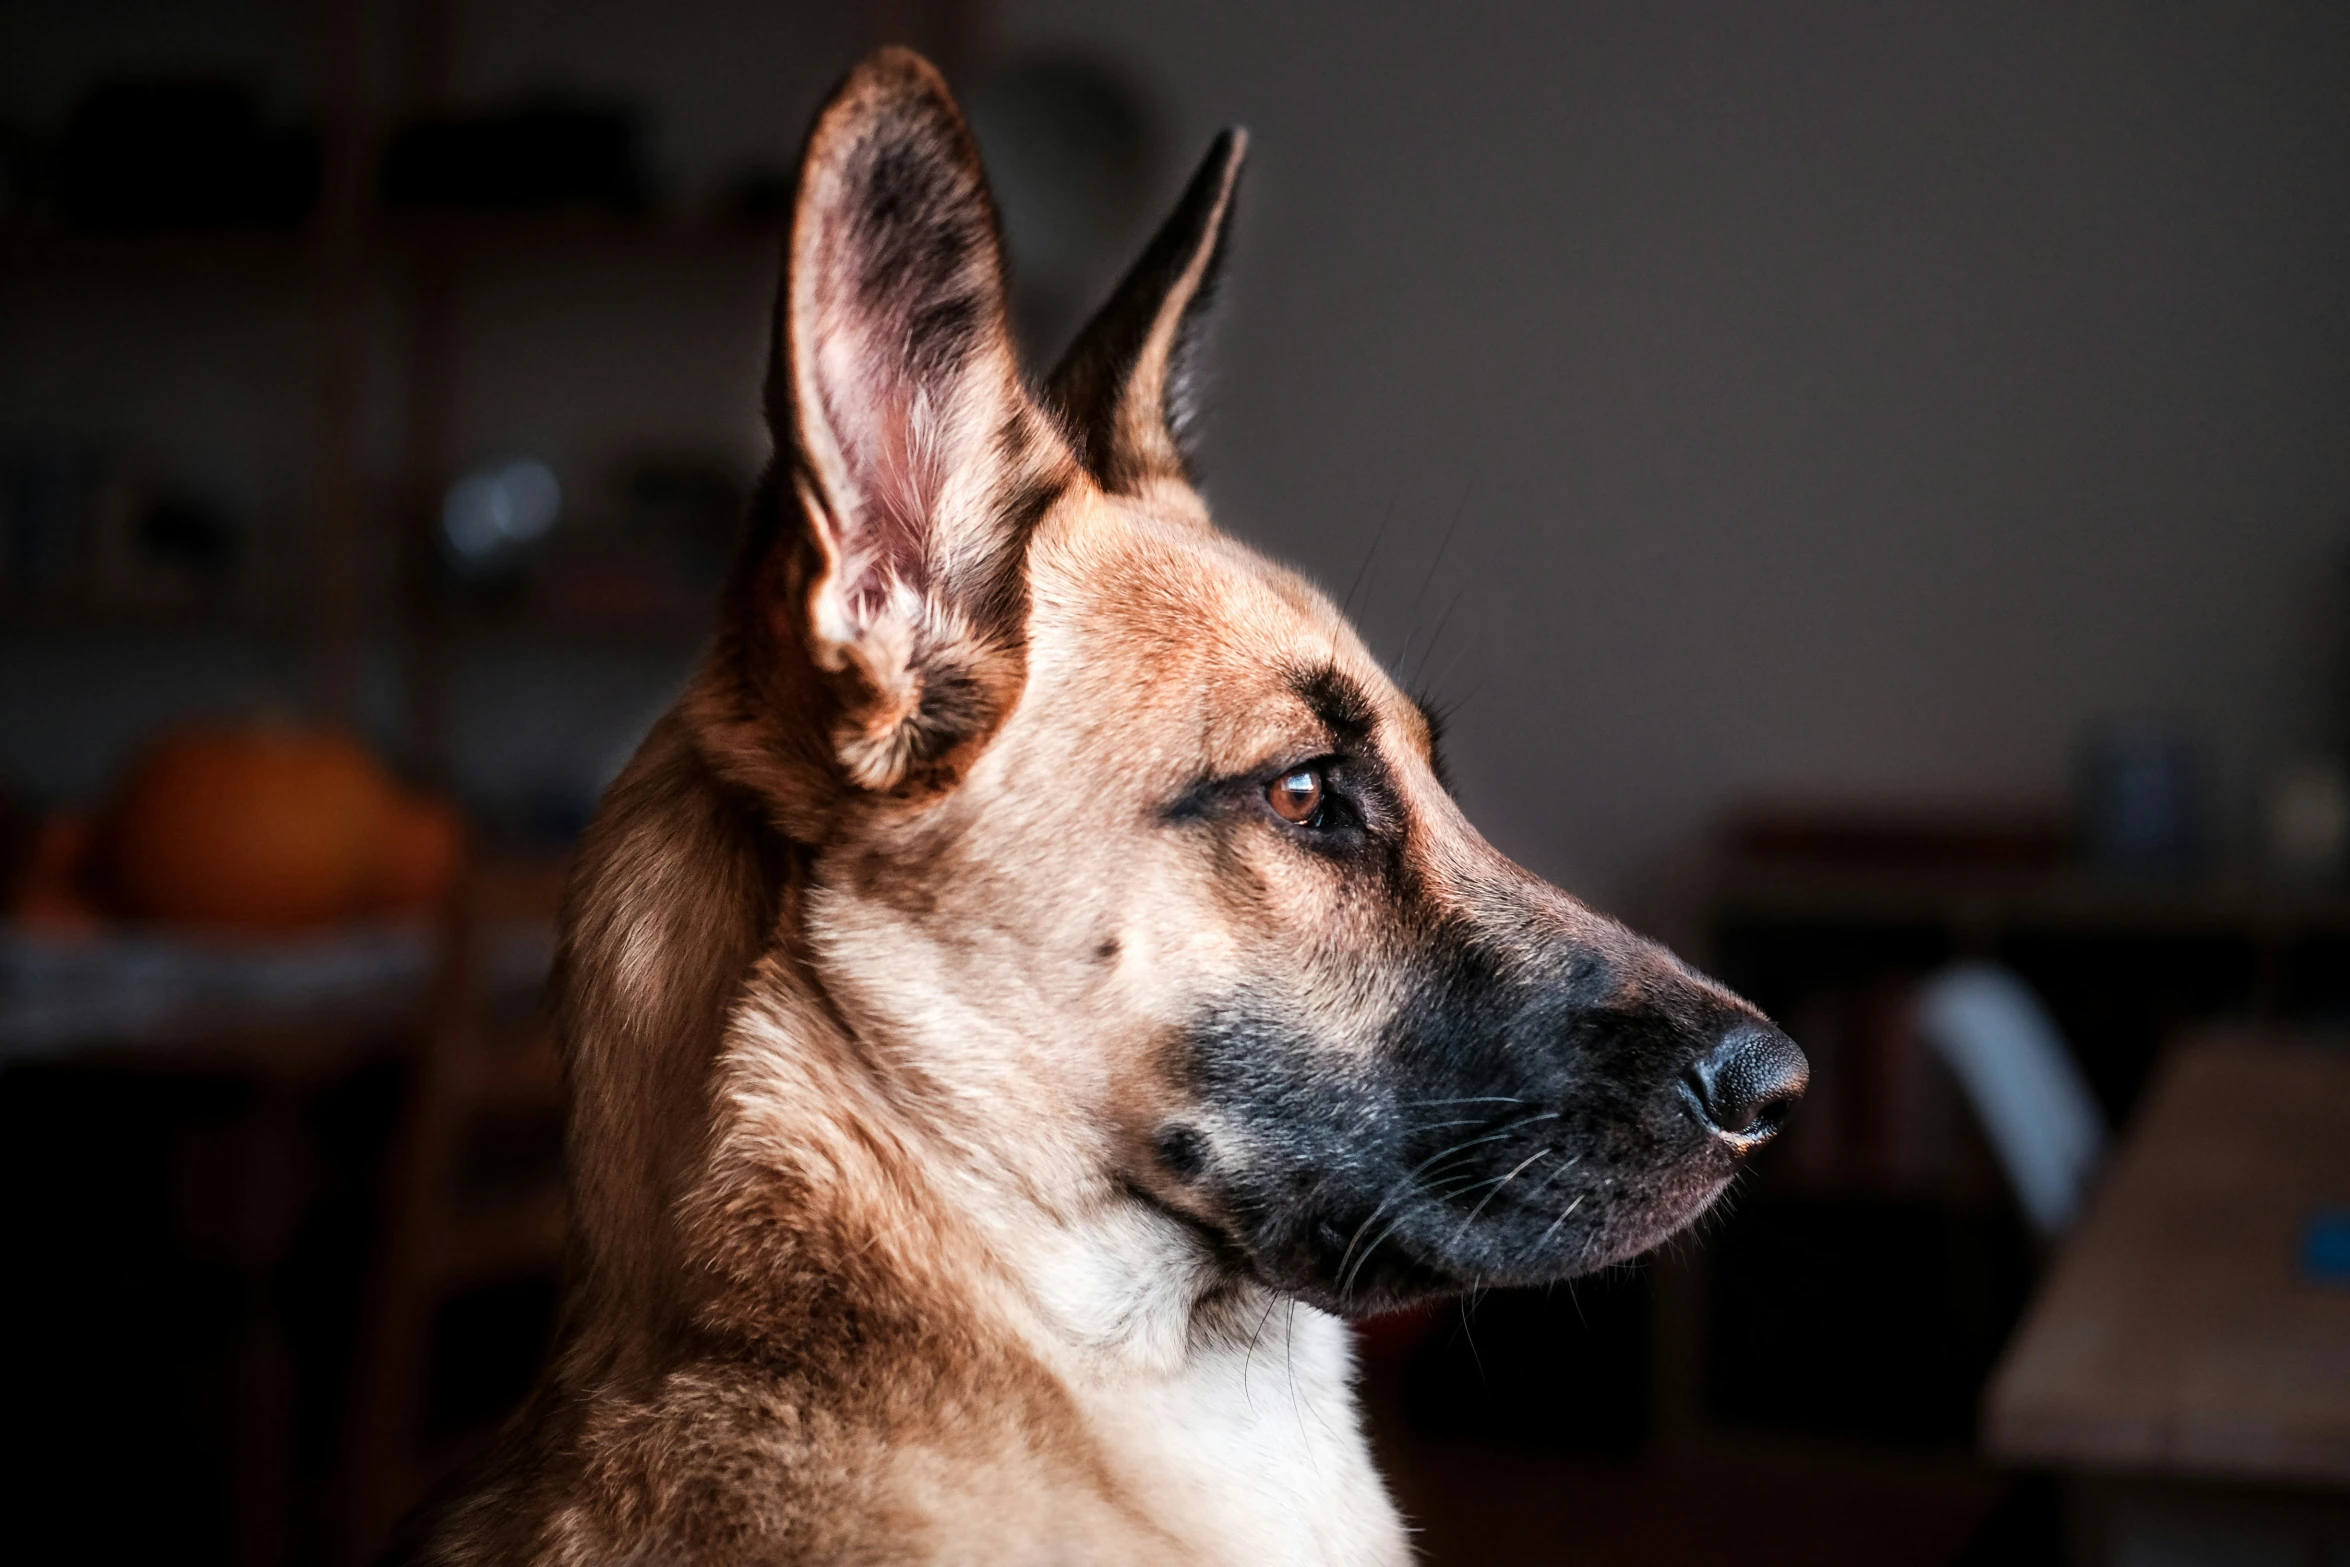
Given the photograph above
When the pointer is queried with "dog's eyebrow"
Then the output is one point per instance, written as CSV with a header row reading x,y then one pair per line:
x,y
1338,702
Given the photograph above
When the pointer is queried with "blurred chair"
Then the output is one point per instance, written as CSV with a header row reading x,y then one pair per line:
x,y
2025,1088
473,1201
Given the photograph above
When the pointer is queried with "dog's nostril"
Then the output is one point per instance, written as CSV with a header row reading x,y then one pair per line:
x,y
1747,1083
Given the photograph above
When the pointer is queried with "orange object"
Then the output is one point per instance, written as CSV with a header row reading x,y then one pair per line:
x,y
422,851
261,827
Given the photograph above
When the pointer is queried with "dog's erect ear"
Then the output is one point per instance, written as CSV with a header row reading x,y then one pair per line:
x,y
916,461
1125,389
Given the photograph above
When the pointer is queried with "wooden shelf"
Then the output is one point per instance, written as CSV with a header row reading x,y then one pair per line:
x,y
65,618
2067,900
582,230
33,248
61,621
681,631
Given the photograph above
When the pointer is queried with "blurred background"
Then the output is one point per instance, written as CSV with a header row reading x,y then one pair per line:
x,y
1869,483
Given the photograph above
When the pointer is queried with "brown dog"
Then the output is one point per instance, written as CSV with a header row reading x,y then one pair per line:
x,y
1037,970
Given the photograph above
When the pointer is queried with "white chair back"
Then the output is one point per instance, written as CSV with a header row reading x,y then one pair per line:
x,y
2026,1089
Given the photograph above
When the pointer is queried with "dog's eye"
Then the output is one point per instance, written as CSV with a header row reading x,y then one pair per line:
x,y
1297,796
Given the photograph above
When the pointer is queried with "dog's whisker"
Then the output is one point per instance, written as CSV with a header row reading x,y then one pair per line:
x,y
1498,1187
1561,1219
1347,1282
1248,1358
1445,674
1348,1275
1346,605
1435,637
1397,1189
1552,1176
1412,1176
1435,565
1473,1143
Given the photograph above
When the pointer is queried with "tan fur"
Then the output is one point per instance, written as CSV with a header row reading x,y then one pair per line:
x,y
874,958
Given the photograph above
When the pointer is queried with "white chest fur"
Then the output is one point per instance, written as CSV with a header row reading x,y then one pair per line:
x,y
1236,1429
1253,1451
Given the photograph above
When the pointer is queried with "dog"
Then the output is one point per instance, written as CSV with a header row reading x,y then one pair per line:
x,y
1037,973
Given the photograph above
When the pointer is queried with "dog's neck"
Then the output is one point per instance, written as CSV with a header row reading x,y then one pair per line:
x,y
913,1166
700,1025
1224,1410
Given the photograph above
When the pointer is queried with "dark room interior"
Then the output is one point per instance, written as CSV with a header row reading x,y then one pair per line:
x,y
1867,487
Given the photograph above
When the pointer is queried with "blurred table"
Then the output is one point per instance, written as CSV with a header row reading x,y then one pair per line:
x,y
153,995
2181,1342
235,1047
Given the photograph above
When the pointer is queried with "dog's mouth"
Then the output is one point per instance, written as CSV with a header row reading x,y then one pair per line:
x,y
1544,1142
1384,1262
1535,1211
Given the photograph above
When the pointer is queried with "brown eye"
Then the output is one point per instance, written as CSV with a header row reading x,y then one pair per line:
x,y
1297,797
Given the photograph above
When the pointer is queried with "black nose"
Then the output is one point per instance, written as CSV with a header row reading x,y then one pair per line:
x,y
1745,1085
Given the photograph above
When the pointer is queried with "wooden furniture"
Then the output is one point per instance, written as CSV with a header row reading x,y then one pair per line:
x,y
474,1200
2177,1334
277,1046
250,1040
2179,1355
192,1164
1873,1267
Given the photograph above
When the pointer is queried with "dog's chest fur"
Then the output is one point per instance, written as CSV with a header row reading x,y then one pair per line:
x,y
1257,1456
1234,1428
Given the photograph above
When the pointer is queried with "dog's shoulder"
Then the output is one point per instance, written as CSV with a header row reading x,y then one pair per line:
x,y
729,1462
839,1390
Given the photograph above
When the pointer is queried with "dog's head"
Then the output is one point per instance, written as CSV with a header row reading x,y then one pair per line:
x,y
1126,864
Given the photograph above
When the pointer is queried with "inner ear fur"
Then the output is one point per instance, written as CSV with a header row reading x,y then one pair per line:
x,y
1127,389
884,597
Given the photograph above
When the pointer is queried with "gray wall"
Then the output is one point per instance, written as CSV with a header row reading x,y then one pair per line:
x,y
1850,399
